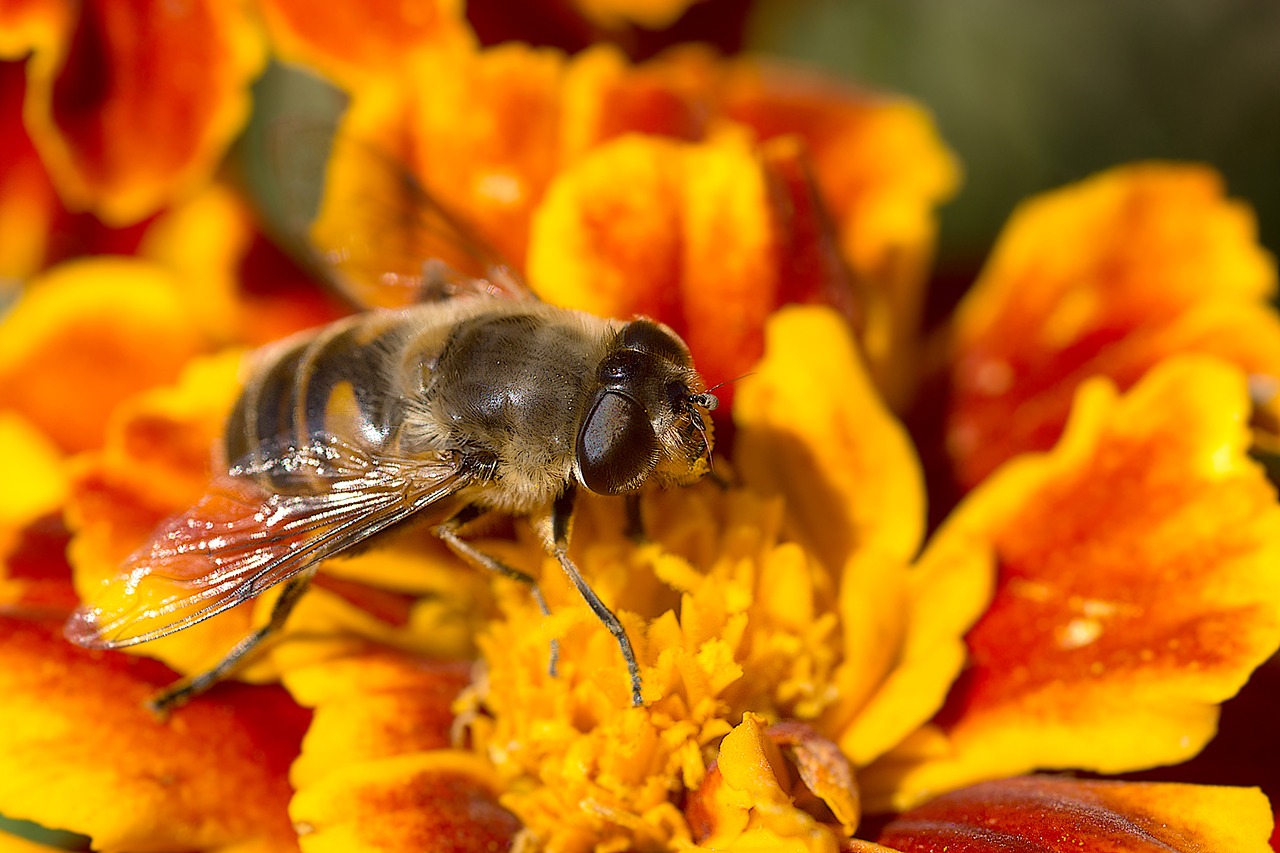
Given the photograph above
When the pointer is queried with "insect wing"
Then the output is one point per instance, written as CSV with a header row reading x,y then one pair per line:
x,y
242,537
370,226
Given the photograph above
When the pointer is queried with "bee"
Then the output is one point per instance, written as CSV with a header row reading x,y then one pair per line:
x,y
475,398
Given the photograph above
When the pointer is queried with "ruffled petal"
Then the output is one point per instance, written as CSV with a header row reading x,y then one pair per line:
x,y
376,771
246,289
120,137
82,753
755,798
1107,277
39,469
27,25
87,335
353,43
683,233
28,203
813,428
480,132
904,637
1047,815
440,800
1139,585
854,493
371,703
571,167
882,171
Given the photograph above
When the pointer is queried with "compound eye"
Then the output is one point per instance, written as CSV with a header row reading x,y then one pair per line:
x,y
648,336
621,367
617,447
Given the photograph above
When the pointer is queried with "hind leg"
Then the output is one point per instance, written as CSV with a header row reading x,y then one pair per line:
x,y
185,689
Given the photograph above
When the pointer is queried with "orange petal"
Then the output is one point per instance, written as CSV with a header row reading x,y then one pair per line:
x,y
35,577
1106,277
437,800
607,237
823,769
353,42
876,164
30,24
813,429
34,472
155,462
904,638
376,771
120,138
371,703
1046,815
493,166
685,233
479,130
605,97
413,596
882,170
28,203
1139,584
245,289
83,754
87,335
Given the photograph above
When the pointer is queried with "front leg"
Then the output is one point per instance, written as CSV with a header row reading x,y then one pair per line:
x,y
448,533
554,529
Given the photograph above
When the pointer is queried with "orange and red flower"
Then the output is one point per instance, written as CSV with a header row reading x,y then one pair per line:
x,y
809,651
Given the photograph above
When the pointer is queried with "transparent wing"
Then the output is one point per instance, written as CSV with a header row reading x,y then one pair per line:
x,y
370,227
243,537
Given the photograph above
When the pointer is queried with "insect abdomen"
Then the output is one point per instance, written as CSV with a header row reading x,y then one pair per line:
x,y
334,384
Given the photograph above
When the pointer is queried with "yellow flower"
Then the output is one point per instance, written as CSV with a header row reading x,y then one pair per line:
x,y
808,650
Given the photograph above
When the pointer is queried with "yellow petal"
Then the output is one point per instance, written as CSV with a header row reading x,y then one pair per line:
x,y
86,336
813,429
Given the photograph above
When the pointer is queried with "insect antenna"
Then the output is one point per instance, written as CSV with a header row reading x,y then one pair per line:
x,y
708,400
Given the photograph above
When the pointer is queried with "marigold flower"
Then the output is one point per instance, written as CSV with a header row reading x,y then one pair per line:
x,y
808,651
89,134
552,158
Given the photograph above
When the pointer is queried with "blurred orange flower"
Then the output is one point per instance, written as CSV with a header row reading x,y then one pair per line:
x,y
809,651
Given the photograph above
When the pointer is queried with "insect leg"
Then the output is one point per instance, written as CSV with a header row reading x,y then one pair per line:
x,y
185,689
561,516
447,532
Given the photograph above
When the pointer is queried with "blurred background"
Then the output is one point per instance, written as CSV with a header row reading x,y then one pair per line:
x,y
1032,95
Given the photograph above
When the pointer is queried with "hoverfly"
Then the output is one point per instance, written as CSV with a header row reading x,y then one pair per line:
x,y
475,398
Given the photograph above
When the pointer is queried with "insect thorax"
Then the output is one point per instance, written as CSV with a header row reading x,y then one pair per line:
x,y
515,386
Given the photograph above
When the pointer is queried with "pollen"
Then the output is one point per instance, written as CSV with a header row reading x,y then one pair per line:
x,y
712,642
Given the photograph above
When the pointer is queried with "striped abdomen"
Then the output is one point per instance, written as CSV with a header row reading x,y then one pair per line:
x,y
335,383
